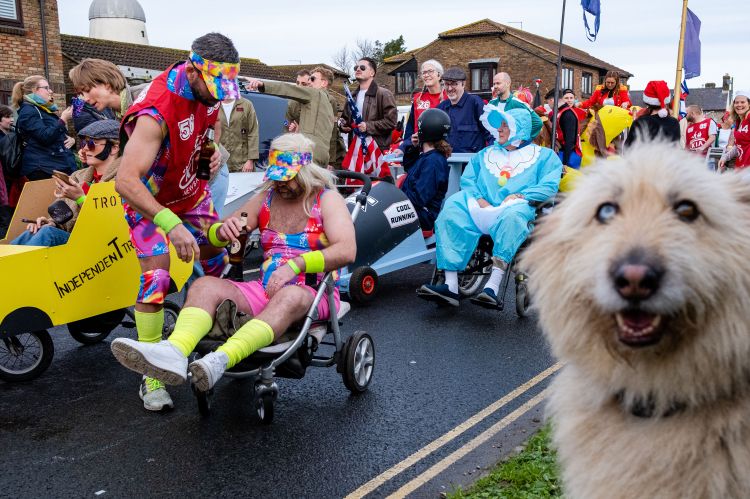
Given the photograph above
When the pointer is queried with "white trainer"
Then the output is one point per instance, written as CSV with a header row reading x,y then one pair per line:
x,y
162,360
208,370
155,397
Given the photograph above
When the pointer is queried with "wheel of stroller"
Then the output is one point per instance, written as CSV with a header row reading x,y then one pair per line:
x,y
264,408
204,401
522,299
359,362
26,356
363,284
171,311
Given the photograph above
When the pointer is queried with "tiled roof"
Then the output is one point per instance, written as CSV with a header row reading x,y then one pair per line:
x,y
489,27
290,70
78,48
710,99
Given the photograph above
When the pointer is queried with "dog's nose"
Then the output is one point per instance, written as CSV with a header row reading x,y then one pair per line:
x,y
636,281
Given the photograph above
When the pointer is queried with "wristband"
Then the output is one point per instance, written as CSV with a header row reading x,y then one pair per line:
x,y
293,266
81,199
213,237
167,220
314,262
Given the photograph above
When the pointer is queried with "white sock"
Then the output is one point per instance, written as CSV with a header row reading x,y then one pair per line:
x,y
451,279
495,277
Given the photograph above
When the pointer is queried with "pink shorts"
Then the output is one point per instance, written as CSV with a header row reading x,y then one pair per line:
x,y
256,297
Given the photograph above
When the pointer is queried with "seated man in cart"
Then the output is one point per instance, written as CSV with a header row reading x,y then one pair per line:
x,y
496,188
305,228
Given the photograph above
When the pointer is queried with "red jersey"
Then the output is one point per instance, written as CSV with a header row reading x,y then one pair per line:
x,y
742,143
423,101
580,115
696,134
619,95
187,122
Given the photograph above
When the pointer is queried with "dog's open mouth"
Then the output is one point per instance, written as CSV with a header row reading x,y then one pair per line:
x,y
637,328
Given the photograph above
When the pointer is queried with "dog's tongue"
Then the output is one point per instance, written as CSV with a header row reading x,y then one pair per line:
x,y
638,320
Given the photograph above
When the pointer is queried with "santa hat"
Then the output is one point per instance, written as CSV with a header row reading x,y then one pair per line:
x,y
657,94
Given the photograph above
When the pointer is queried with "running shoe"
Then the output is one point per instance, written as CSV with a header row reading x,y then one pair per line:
x,y
438,293
162,360
487,299
155,397
207,370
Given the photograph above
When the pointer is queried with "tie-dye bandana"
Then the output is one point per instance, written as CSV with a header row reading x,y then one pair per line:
x,y
284,165
220,77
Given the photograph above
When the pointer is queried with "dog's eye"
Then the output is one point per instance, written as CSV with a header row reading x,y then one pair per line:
x,y
606,212
686,210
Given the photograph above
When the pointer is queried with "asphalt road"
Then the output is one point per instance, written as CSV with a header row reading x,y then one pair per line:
x,y
80,429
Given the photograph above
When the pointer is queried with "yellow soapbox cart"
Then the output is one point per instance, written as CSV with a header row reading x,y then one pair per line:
x,y
88,284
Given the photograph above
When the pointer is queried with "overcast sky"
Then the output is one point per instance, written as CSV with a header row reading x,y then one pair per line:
x,y
640,36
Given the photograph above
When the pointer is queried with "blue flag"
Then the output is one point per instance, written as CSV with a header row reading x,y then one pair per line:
x,y
593,8
692,48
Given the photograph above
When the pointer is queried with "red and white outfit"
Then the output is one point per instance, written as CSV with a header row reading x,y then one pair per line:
x,y
423,101
601,97
742,143
697,134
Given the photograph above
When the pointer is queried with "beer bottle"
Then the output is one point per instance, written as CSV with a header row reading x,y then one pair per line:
x,y
204,158
237,252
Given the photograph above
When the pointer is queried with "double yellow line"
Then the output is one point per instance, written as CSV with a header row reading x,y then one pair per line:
x,y
439,467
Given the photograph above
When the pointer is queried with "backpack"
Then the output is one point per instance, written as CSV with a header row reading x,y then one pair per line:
x,y
11,153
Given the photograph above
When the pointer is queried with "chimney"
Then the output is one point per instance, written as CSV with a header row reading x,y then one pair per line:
x,y
710,85
725,81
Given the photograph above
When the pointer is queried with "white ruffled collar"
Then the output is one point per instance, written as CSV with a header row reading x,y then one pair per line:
x,y
498,160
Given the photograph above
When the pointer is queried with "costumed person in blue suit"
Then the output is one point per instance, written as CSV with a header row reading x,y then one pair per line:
x,y
496,188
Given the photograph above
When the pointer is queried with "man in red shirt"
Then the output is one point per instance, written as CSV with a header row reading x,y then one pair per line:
x,y
701,130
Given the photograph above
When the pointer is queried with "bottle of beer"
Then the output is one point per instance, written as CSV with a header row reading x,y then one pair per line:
x,y
237,252
204,158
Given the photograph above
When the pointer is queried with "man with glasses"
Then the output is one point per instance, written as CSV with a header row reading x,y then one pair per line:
x,y
166,201
467,134
376,104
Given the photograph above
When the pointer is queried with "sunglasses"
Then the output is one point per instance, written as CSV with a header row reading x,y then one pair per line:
x,y
88,143
361,67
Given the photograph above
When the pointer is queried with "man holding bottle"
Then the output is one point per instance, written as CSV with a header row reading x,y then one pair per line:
x,y
165,131
305,231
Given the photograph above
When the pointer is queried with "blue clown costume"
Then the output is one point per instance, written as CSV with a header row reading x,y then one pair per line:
x,y
505,177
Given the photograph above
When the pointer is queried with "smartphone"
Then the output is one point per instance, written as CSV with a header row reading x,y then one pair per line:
x,y
62,176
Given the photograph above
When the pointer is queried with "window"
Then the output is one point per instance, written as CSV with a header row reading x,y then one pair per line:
x,y
481,79
567,79
406,81
10,13
587,81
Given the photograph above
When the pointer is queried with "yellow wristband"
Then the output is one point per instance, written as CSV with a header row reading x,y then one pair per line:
x,y
314,262
167,220
213,237
81,199
293,266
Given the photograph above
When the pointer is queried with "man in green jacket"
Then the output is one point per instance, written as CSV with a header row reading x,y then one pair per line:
x,y
503,99
316,114
239,125
322,78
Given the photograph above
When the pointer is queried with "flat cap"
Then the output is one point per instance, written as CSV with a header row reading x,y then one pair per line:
x,y
101,129
454,74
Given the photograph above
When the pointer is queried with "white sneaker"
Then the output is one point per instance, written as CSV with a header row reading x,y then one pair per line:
x,y
162,360
155,397
208,370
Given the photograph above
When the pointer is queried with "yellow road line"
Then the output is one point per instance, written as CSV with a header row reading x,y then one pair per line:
x,y
451,435
444,463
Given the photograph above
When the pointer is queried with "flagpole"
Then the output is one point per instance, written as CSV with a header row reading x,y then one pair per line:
x,y
680,61
557,78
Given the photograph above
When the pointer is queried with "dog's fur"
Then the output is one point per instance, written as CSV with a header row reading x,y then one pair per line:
x,y
670,420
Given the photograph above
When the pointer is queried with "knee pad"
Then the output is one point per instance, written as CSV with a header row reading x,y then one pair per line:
x,y
215,265
154,287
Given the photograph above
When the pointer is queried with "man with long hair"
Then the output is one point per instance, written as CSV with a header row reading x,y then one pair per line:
x,y
305,228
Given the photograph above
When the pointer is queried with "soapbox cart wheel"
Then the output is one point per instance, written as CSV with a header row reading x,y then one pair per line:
x,y
25,356
363,284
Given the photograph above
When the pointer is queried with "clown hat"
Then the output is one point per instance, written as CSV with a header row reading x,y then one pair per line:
x,y
657,94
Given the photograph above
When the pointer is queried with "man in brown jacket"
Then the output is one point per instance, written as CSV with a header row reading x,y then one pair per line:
x,y
377,105
239,134
322,78
316,114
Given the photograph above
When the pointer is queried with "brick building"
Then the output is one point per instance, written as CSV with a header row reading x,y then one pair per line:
x,y
486,47
23,38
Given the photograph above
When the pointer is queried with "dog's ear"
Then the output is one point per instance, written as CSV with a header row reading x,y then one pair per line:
x,y
739,185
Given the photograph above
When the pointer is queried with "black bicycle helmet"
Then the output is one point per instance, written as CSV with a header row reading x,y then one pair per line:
x,y
434,124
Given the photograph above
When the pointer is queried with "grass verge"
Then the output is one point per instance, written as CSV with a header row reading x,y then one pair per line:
x,y
532,474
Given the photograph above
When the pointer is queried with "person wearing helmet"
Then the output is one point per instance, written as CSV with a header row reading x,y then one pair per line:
x,y
100,145
427,179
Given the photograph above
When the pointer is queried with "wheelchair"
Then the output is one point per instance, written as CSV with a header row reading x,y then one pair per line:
x,y
309,343
471,280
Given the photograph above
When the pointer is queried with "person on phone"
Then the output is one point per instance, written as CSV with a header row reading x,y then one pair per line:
x,y
158,179
100,144
44,133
